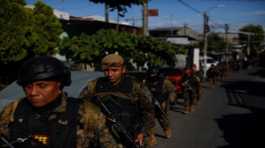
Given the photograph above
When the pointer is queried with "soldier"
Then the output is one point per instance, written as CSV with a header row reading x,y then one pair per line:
x,y
211,75
189,92
46,117
197,78
125,99
163,92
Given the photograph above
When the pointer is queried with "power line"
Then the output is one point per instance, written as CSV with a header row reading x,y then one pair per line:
x,y
189,6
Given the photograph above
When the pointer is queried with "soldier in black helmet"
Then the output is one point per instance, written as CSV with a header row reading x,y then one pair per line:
x,y
46,117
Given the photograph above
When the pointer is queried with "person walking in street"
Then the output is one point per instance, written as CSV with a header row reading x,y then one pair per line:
x,y
188,90
163,92
123,98
197,76
46,117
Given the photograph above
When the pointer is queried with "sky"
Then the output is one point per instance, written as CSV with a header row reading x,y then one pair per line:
x,y
172,13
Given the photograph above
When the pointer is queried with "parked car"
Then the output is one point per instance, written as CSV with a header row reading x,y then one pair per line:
x,y
209,61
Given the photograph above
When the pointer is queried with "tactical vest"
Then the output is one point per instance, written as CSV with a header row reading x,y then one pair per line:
x,y
123,107
45,129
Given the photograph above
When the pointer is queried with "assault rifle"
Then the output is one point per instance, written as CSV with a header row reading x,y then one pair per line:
x,y
187,85
158,108
117,126
6,143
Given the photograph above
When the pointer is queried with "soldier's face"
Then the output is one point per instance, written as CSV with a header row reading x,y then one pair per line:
x,y
114,74
41,93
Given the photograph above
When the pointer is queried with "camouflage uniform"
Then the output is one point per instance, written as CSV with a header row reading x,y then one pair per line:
x,y
211,75
189,91
163,92
138,96
197,78
126,86
91,128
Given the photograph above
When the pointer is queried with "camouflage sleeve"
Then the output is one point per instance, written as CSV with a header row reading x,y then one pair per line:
x,y
95,128
89,90
170,89
145,102
6,117
169,86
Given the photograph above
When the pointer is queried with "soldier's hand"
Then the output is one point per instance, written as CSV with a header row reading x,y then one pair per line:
x,y
140,139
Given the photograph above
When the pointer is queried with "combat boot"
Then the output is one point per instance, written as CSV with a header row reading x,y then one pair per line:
x,y
168,133
152,140
189,108
186,109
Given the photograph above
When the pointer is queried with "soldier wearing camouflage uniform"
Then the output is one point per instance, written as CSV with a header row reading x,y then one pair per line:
x,y
46,117
124,91
211,75
163,92
197,77
189,91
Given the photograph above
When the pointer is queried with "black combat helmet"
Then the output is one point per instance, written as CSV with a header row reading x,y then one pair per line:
x,y
43,68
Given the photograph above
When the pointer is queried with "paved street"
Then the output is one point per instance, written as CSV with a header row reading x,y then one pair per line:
x,y
228,116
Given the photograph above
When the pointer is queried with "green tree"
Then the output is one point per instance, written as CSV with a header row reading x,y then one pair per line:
x,y
157,52
90,49
81,49
255,40
119,5
13,25
216,43
46,28
26,32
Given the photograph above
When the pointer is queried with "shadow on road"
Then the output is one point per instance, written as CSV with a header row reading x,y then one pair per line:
x,y
248,94
244,130
259,72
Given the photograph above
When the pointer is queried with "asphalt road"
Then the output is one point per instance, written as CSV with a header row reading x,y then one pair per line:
x,y
229,115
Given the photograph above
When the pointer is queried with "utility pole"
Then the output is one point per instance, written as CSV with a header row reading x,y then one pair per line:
x,y
226,42
248,48
118,21
145,18
106,13
185,29
205,40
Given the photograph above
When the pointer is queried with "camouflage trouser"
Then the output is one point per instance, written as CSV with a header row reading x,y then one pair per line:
x,y
189,98
162,115
198,93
